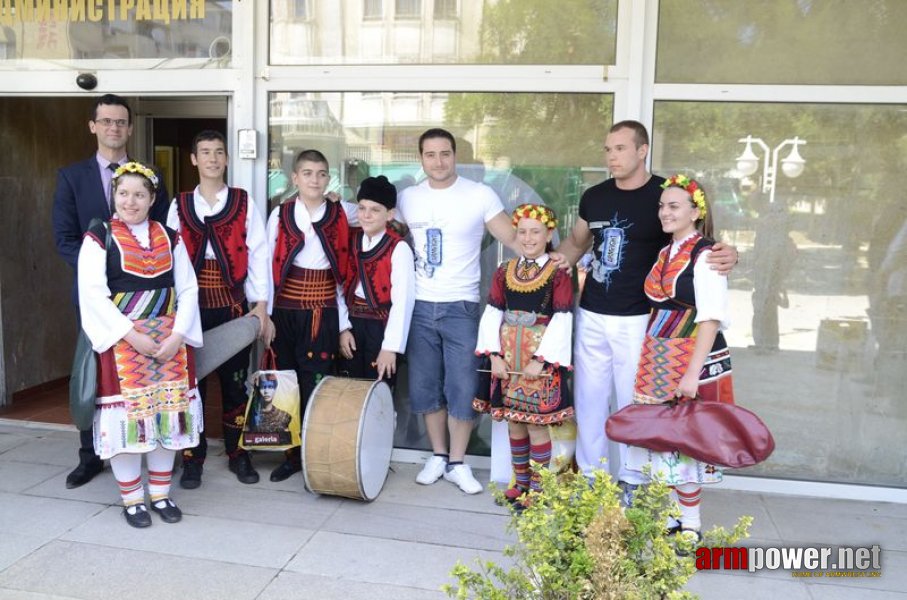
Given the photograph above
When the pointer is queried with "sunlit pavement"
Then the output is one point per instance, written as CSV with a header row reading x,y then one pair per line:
x,y
277,541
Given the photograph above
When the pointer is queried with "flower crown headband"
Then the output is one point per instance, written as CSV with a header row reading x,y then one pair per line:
x,y
690,186
136,169
539,212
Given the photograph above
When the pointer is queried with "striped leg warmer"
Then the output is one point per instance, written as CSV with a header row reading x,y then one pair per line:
x,y
689,495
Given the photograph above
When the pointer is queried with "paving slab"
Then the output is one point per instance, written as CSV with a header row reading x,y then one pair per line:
x,y
292,586
223,540
47,450
401,488
12,439
14,546
275,541
420,524
724,507
893,577
827,592
43,518
90,572
19,476
816,521
721,586
264,502
102,489
23,595
390,562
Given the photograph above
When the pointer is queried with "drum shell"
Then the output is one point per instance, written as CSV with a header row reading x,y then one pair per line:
x,y
347,438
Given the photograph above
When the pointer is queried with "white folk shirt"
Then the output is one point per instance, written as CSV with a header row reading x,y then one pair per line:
x,y
103,322
258,276
710,289
556,346
312,255
460,213
403,293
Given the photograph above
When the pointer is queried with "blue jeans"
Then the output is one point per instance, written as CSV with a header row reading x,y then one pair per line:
x,y
441,358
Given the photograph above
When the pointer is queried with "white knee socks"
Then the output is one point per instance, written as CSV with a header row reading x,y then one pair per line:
x,y
160,471
127,469
689,495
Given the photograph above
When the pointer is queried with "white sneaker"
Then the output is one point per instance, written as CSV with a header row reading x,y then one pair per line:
x,y
432,471
462,476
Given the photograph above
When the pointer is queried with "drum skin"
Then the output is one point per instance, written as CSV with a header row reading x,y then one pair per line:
x,y
348,437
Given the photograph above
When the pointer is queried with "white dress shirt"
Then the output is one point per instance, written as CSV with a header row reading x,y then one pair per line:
x,y
312,255
257,285
403,293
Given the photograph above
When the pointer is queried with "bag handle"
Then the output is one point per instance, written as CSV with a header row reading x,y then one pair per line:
x,y
674,401
95,221
268,360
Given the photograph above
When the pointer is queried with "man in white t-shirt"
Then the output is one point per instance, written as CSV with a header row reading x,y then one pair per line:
x,y
447,216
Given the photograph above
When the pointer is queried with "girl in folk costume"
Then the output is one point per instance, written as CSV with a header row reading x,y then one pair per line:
x,y
684,353
138,299
526,332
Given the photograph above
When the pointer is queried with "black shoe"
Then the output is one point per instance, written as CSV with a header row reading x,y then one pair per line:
x,y
169,512
242,466
688,538
192,475
137,516
285,470
84,473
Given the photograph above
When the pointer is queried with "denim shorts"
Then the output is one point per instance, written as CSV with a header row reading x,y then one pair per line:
x,y
441,358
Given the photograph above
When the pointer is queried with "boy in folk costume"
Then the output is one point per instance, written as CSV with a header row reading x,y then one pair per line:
x,y
684,353
526,331
138,300
225,236
309,240
380,289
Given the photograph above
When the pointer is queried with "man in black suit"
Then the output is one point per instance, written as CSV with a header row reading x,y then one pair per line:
x,y
83,193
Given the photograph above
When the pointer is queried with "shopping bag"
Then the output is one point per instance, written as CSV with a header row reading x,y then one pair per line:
x,y
272,414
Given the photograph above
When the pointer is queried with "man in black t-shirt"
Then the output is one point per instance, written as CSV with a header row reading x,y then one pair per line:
x,y
618,220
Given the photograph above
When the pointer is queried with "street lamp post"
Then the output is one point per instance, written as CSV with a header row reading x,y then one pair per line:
x,y
792,166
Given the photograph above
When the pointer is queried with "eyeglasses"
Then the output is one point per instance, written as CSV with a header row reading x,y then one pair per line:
x,y
112,122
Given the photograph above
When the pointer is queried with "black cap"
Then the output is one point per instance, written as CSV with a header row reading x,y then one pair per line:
x,y
378,189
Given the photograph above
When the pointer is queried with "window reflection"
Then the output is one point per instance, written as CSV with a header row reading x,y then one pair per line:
x,y
443,32
781,42
819,298
527,147
176,33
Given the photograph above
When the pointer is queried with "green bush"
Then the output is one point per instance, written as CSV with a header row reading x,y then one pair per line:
x,y
576,542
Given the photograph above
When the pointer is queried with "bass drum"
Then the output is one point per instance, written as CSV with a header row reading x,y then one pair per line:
x,y
348,437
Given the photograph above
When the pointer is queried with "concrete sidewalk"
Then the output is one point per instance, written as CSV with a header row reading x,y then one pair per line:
x,y
276,541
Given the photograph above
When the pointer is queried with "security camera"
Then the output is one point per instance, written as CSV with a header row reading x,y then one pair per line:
x,y
87,81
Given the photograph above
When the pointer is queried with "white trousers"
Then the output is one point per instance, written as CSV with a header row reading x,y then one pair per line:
x,y
606,357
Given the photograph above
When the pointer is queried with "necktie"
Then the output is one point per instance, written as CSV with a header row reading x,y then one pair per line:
x,y
109,191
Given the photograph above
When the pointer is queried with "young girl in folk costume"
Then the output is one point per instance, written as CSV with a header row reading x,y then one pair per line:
x,y
526,331
138,299
684,353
